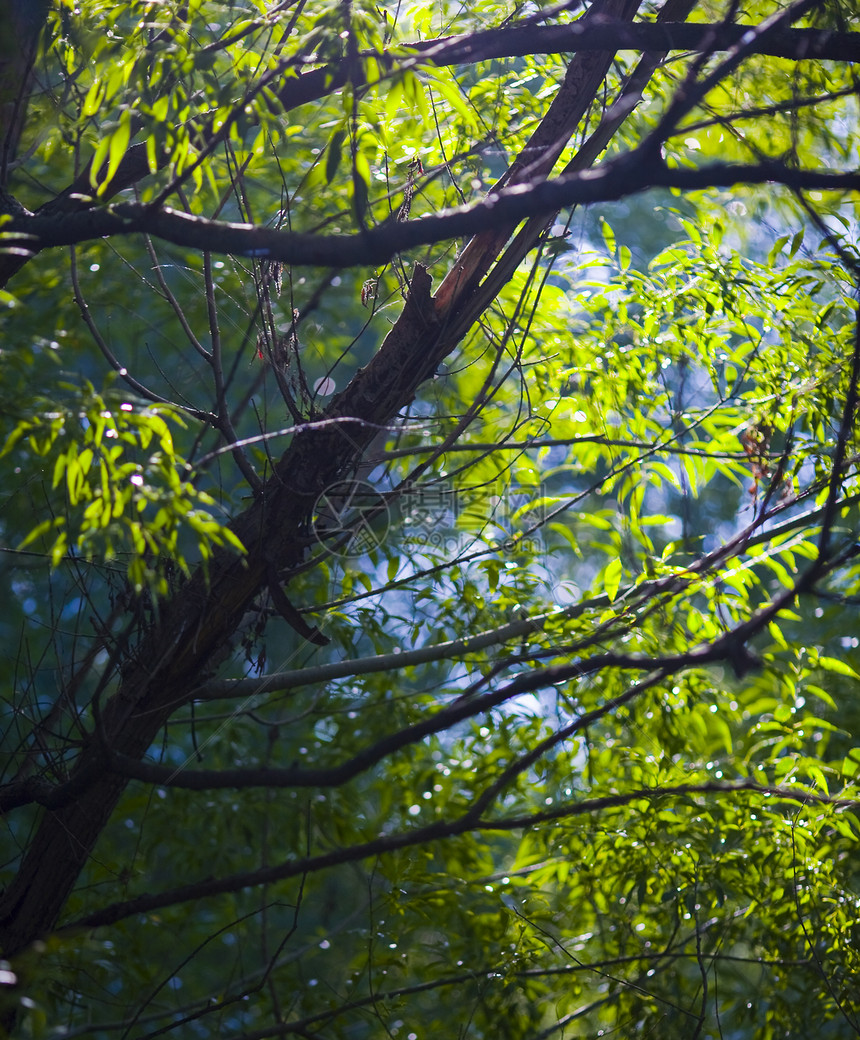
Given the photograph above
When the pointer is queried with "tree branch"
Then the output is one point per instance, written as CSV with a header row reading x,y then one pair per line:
x,y
520,41
511,41
438,831
630,174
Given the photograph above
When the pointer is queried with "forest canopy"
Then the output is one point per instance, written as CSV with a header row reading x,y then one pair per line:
x,y
429,519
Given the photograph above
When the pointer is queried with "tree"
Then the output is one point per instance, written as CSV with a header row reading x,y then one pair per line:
x,y
428,594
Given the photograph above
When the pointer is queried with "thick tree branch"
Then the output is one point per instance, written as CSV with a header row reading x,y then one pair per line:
x,y
731,648
516,41
520,41
471,264
438,831
511,41
635,172
35,790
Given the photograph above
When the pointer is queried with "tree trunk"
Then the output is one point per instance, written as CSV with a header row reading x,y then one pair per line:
x,y
163,670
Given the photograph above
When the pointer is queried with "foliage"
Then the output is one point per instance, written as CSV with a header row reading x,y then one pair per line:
x,y
117,503
385,663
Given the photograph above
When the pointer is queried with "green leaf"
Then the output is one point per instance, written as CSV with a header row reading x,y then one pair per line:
x,y
94,97
334,155
612,578
833,664
608,236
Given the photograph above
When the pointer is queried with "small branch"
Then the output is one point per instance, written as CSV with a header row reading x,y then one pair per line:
x,y
791,795
225,424
557,442
107,353
455,648
730,647
175,306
